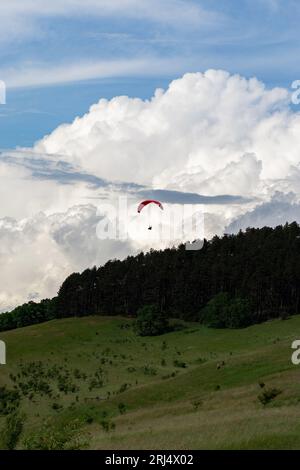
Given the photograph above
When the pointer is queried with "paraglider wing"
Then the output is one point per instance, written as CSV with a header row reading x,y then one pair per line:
x,y
149,201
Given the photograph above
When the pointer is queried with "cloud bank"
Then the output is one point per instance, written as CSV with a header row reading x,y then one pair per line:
x,y
204,131
223,138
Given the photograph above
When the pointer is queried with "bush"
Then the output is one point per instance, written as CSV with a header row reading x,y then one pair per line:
x,y
89,419
196,404
122,408
179,364
268,395
222,311
9,401
11,433
151,322
107,426
148,370
170,376
123,388
56,406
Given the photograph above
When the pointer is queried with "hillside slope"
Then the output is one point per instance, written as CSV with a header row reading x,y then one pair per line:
x,y
92,383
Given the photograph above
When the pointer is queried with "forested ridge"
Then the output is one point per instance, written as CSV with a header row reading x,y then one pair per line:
x,y
256,273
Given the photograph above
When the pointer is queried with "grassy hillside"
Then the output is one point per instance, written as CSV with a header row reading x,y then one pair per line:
x,y
92,383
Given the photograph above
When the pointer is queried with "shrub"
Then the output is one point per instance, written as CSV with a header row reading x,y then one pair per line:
x,y
107,426
268,395
56,406
179,364
170,376
151,322
122,408
148,370
222,311
123,388
197,404
89,419
11,433
9,400
97,381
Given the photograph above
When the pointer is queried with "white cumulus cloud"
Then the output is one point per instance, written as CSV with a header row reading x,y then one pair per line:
x,y
37,253
209,133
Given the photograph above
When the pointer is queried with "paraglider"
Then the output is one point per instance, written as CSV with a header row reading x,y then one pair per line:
x,y
145,203
149,201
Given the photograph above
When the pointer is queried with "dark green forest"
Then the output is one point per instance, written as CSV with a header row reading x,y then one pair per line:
x,y
233,281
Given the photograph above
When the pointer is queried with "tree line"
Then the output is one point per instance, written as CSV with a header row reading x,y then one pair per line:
x,y
233,281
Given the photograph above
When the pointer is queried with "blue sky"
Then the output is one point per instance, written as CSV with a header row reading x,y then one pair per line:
x,y
59,59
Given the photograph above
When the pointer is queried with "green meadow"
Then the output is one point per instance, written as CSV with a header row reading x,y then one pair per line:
x,y
92,383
